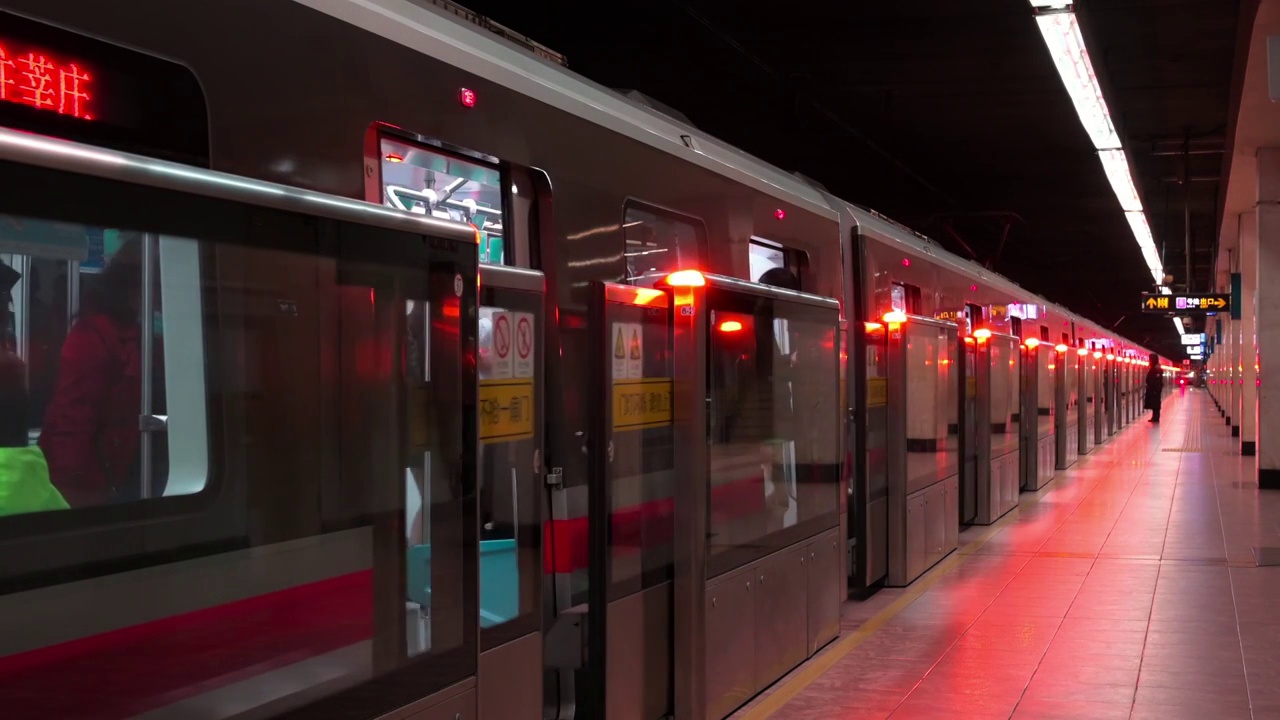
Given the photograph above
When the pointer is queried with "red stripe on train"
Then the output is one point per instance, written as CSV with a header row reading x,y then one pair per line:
x,y
122,673
564,542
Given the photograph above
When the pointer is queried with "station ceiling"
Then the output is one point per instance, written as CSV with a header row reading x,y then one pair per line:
x,y
949,117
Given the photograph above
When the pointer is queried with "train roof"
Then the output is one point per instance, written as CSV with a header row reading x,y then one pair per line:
x,y
881,227
446,36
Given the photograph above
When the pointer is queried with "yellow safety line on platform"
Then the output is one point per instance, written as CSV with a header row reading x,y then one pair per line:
x,y
823,662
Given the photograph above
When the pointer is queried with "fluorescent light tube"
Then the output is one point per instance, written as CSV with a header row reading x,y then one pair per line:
x,y
1061,33
1116,165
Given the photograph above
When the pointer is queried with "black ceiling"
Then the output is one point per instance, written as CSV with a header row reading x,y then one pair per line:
x,y
947,116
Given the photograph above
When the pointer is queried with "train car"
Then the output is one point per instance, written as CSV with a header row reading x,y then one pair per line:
x,y
366,479
964,390
577,193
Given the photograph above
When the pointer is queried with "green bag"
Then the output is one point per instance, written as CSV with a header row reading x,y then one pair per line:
x,y
24,482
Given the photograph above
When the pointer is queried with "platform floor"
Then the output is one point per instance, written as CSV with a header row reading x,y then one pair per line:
x,y
1127,588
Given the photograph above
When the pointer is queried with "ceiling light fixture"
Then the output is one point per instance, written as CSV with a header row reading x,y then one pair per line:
x,y
1061,30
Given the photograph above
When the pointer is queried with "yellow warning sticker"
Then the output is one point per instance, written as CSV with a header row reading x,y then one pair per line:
x,y
639,404
877,392
506,410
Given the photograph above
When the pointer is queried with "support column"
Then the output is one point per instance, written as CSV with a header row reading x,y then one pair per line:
x,y
1233,401
1267,321
1215,363
1246,413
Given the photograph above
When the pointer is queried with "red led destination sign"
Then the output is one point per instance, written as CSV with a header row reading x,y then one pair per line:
x,y
62,83
31,76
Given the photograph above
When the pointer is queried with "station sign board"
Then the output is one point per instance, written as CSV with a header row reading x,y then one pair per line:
x,y
1193,339
1186,303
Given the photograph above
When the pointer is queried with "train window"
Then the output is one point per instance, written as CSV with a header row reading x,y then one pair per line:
x,y
107,325
905,297
657,241
429,181
765,255
774,460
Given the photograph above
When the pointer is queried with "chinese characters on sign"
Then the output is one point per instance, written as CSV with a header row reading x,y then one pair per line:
x,y
1206,303
506,410
34,79
642,404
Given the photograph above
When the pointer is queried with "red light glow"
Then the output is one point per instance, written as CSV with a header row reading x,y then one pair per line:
x,y
730,326
686,278
906,262
31,77
780,214
467,97
393,158
895,317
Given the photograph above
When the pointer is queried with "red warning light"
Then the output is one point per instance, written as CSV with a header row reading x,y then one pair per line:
x,y
31,77
393,158
973,288
730,326
906,262
780,214
467,97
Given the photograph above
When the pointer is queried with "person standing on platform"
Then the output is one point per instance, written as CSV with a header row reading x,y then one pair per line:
x,y
1155,388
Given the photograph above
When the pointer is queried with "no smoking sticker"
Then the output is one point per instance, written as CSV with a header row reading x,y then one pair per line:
x,y
524,341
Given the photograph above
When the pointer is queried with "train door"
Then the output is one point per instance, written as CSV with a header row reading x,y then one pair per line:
x,y
999,399
1122,391
869,514
499,201
923,454
1086,405
509,367
1067,402
316,408
1028,412
1111,379
772,589
1040,408
1098,369
1063,416
631,516
968,362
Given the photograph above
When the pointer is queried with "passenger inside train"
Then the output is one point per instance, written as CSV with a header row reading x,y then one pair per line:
x,y
89,431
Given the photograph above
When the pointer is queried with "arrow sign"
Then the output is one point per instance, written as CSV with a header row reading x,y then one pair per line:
x,y
1186,303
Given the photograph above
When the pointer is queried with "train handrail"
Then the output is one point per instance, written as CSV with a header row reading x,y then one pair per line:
x,y
41,151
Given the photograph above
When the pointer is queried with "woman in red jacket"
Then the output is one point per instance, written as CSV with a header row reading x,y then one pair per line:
x,y
90,434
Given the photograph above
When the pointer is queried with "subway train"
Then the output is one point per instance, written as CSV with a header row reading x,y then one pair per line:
x,y
380,366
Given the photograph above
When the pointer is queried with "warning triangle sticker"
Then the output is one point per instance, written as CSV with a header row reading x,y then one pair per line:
x,y
635,345
619,349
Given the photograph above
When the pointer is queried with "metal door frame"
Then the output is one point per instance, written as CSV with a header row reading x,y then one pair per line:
x,y
507,660
599,462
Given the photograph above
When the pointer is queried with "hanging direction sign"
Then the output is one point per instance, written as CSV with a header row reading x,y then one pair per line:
x,y
1186,303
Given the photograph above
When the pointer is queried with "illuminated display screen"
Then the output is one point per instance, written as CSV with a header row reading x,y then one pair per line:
x,y
31,77
62,83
